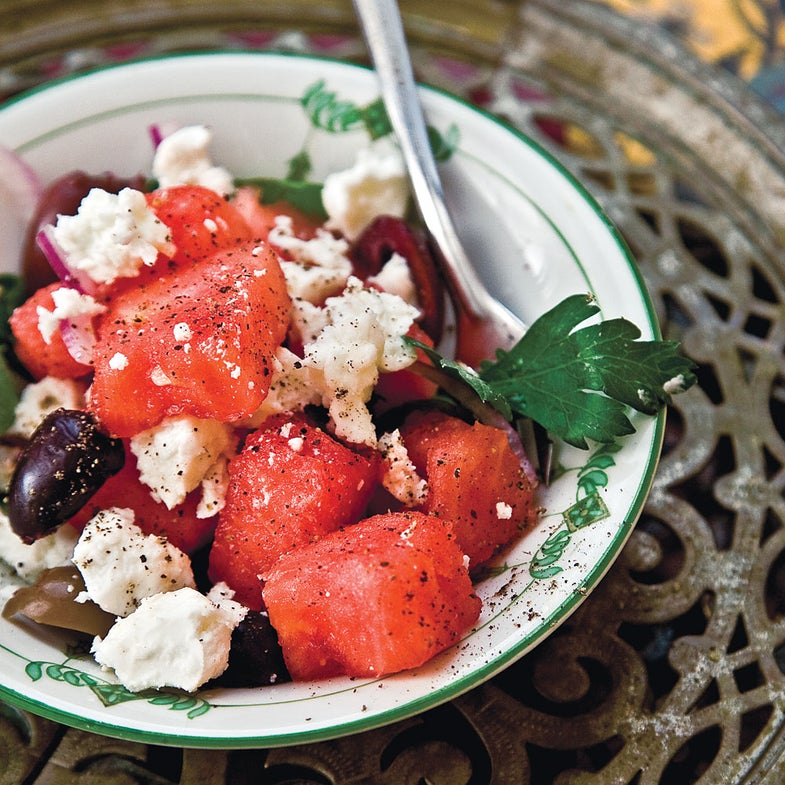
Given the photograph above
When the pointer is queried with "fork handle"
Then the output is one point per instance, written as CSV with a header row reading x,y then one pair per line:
x,y
384,36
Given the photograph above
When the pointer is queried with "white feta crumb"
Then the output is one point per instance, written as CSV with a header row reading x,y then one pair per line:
x,y
121,565
296,444
118,361
179,639
29,561
318,268
174,456
42,398
375,185
182,331
363,337
222,595
159,377
215,483
395,277
400,476
675,385
292,388
182,158
112,235
68,304
503,511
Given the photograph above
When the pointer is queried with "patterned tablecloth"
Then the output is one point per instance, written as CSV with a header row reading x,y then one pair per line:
x,y
673,670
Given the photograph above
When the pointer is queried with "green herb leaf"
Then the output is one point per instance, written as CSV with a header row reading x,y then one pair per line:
x,y
10,385
306,196
12,294
578,384
484,391
299,167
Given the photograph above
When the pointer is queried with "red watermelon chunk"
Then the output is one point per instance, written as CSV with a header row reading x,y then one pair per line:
x,y
475,480
199,341
290,485
39,357
382,596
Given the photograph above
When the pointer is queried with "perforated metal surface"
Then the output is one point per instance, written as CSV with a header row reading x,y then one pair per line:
x,y
672,671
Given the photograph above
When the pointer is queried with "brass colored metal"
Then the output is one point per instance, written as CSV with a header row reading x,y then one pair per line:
x,y
673,670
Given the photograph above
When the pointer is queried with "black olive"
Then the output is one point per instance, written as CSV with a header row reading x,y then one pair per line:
x,y
255,657
66,461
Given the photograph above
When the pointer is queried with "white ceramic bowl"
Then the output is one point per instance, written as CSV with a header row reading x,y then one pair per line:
x,y
540,238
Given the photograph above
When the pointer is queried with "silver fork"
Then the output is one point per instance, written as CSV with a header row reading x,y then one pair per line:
x,y
483,324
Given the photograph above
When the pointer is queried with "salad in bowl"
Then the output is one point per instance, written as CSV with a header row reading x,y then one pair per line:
x,y
243,468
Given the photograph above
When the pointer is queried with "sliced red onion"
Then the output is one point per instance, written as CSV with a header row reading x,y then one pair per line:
x,y
79,338
20,190
156,135
56,258
158,132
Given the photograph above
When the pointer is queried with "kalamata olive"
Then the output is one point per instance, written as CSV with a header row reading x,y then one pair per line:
x,y
66,461
52,600
255,658
63,196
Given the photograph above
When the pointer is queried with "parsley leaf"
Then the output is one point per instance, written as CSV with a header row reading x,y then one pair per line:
x,y
11,295
303,194
579,383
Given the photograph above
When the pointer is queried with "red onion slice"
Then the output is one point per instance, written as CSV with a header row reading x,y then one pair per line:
x,y
79,338
56,258
20,190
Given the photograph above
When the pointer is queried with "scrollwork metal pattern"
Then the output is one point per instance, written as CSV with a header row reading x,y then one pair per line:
x,y
673,671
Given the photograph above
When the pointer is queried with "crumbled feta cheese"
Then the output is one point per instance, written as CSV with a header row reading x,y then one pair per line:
x,y
214,486
29,561
503,511
319,267
375,185
396,278
400,477
118,361
121,565
182,158
292,388
69,304
182,331
112,235
180,639
676,385
347,343
364,336
159,377
40,399
222,595
174,456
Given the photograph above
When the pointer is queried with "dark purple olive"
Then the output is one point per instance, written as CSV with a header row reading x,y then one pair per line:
x,y
255,658
66,461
